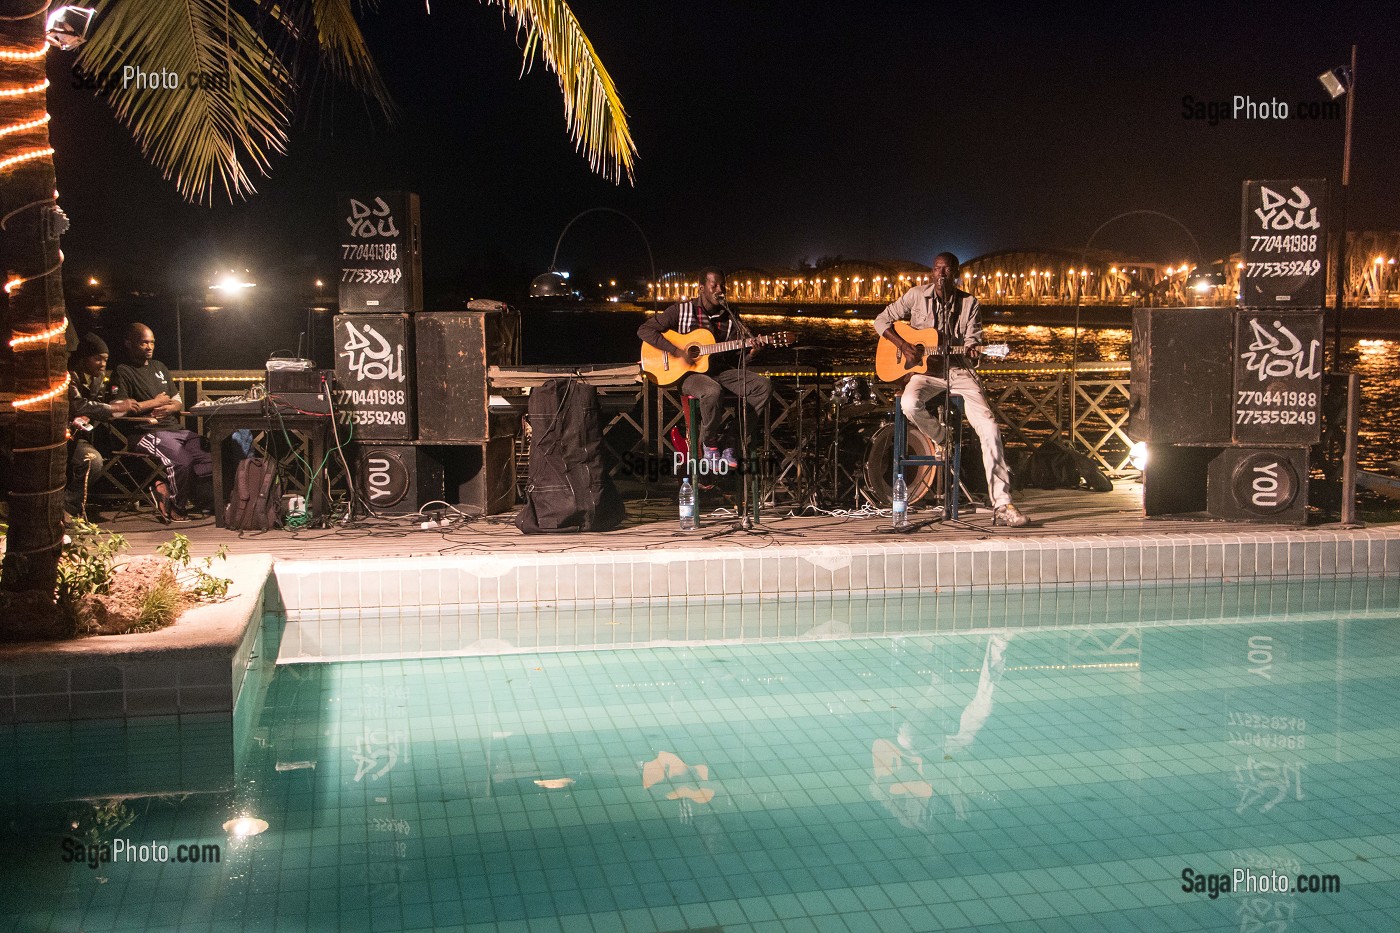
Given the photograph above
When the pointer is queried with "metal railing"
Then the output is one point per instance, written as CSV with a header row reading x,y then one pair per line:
x,y
1032,404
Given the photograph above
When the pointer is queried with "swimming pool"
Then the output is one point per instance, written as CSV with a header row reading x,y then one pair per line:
x,y
1037,777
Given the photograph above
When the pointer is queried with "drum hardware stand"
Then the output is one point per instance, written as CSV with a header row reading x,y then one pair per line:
x,y
749,497
807,493
860,492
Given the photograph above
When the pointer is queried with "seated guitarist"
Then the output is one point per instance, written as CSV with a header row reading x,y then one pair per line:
x,y
709,311
957,317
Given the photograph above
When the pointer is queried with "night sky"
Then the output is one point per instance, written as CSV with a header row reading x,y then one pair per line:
x,y
773,132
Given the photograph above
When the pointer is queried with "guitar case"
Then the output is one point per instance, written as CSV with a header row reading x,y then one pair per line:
x,y
569,488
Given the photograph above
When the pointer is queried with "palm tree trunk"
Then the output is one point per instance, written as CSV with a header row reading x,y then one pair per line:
x,y
30,252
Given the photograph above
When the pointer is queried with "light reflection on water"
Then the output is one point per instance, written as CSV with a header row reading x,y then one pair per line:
x,y
841,343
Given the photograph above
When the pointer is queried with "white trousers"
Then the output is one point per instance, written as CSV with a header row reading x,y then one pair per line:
x,y
962,383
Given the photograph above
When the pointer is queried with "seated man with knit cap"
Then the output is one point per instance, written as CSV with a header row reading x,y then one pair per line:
x,y
92,402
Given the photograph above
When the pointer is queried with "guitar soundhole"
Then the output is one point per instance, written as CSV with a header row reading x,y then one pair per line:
x,y
692,352
921,352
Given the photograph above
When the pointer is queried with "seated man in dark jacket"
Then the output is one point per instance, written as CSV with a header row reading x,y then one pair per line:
x,y
91,404
188,466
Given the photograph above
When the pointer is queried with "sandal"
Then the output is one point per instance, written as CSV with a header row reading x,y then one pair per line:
x,y
165,509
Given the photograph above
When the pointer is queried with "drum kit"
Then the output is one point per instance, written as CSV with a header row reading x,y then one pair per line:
x,y
845,453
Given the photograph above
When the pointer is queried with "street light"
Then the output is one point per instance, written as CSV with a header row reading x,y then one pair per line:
x,y
231,284
1341,80
1074,345
553,283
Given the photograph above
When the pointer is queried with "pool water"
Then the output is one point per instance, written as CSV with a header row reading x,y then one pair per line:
x,y
1038,779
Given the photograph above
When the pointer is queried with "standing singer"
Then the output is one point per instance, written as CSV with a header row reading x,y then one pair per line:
x,y
957,316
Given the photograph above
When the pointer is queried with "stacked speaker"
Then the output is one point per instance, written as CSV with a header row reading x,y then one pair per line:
x,y
1229,400
1227,415
411,386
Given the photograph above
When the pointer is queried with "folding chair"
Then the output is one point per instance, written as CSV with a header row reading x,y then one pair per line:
x,y
688,444
127,476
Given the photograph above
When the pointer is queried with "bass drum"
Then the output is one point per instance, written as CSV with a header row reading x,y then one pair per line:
x,y
921,479
867,462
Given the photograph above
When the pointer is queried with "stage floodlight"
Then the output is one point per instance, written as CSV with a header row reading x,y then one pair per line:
x,y
1337,81
68,27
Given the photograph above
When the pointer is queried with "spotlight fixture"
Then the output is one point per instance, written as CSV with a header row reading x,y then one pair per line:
x,y
68,27
244,826
1337,81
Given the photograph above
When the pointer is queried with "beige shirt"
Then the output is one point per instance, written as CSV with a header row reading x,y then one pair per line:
x,y
917,307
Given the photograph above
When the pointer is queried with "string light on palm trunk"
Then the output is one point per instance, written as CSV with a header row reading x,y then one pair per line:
x,y
28,156
12,128
58,330
42,397
15,96
29,55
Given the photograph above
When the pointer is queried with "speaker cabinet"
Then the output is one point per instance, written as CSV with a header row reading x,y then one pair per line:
x,y
399,478
1182,378
381,256
1278,378
374,375
1241,484
454,351
1174,480
1259,485
481,477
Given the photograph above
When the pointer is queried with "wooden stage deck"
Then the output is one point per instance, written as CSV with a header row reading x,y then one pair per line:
x,y
651,524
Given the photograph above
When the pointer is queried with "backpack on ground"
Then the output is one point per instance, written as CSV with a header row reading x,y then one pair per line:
x,y
1054,465
256,501
569,489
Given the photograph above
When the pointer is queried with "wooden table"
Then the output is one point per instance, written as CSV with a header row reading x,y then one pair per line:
x,y
299,459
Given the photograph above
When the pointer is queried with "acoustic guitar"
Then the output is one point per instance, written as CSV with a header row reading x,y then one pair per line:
x,y
929,355
698,346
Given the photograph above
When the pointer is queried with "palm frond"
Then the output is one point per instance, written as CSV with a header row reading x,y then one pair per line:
x,y
330,31
593,111
343,46
230,112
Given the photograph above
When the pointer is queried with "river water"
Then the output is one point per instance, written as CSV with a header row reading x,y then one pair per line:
x,y
244,338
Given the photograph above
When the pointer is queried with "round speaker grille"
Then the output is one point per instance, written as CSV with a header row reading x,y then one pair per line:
x,y
1265,483
384,478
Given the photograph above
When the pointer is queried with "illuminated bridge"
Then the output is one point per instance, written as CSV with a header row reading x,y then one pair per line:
x,y
1036,276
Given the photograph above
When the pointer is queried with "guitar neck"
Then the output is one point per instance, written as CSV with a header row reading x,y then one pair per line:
x,y
740,344
939,351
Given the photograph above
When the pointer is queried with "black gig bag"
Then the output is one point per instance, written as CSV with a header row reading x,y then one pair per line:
x,y
569,489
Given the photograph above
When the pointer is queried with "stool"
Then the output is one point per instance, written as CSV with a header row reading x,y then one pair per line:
x,y
949,486
694,448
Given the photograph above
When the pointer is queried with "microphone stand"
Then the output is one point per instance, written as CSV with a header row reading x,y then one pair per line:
x,y
746,523
947,485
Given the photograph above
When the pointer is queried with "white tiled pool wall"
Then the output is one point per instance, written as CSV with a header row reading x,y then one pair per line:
x,y
434,605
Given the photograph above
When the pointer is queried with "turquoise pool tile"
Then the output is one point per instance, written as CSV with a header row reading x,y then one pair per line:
x,y
927,782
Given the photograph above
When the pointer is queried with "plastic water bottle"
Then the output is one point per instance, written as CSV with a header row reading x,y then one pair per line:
x,y
688,520
900,508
